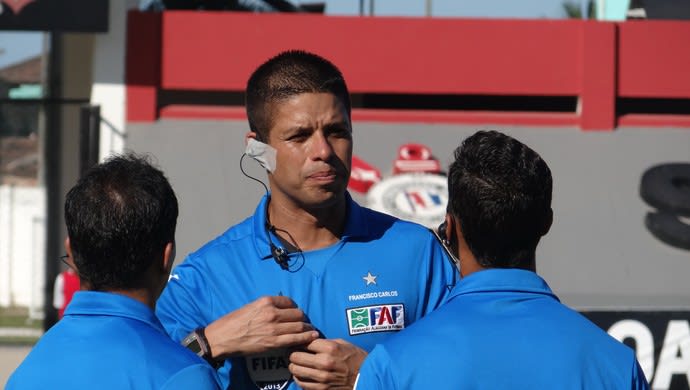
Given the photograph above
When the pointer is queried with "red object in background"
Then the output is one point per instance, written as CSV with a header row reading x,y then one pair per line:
x,y
362,175
66,284
415,158
17,5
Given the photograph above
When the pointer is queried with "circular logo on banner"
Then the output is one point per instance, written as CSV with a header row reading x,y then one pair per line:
x,y
418,197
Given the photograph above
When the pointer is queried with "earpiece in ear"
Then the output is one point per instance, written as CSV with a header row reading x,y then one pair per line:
x,y
449,244
443,234
263,153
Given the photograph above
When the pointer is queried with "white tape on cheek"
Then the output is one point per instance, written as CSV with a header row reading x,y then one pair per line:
x,y
263,153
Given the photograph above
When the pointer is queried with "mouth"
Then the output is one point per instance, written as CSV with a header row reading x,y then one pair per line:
x,y
323,176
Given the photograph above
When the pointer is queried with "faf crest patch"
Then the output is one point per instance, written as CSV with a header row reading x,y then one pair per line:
x,y
378,318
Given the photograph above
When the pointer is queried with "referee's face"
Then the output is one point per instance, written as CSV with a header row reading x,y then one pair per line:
x,y
312,135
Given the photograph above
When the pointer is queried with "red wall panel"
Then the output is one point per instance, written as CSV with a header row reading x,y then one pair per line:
x,y
598,97
143,65
654,59
218,51
594,61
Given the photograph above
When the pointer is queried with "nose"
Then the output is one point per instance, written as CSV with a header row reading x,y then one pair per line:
x,y
321,148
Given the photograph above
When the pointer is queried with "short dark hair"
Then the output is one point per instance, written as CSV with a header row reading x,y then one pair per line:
x,y
120,216
288,74
500,190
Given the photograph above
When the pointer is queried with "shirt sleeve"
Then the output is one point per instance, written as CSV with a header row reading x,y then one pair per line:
x,y
375,371
179,306
198,376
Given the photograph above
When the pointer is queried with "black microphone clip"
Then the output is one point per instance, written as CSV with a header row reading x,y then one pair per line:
x,y
280,255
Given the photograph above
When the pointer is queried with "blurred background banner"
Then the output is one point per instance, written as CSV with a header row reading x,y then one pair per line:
x,y
54,15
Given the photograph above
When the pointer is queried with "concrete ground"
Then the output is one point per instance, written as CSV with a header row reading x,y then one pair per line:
x,y
10,357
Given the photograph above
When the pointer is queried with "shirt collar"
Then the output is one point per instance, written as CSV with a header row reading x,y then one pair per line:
x,y
111,304
354,224
502,280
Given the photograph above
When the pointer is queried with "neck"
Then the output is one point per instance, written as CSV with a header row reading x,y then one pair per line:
x,y
307,228
147,296
142,295
469,265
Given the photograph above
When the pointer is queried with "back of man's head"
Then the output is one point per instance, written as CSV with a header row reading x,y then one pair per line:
x,y
120,215
288,74
500,190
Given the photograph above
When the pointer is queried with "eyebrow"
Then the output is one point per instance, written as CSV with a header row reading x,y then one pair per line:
x,y
329,125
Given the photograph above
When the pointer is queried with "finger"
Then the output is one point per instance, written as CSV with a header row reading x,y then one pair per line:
x,y
288,315
309,375
321,346
294,339
321,361
311,385
341,342
305,359
278,301
284,328
281,301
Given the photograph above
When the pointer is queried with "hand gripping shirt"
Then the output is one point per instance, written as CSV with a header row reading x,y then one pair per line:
x,y
502,329
381,276
110,341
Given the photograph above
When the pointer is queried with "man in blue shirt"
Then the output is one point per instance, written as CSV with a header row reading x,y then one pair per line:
x,y
299,292
121,219
502,327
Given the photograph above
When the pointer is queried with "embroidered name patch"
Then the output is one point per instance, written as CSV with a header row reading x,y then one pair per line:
x,y
381,318
371,295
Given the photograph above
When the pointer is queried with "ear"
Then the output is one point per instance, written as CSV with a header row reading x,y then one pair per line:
x,y
70,259
68,247
547,222
250,134
168,257
450,228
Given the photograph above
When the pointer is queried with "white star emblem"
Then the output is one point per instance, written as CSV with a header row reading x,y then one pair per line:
x,y
370,279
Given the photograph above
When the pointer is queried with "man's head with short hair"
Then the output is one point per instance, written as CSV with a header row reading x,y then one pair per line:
x,y
120,216
500,191
288,74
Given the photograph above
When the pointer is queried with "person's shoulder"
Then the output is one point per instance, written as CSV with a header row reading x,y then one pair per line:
x,y
603,351
181,368
177,356
198,376
140,355
444,323
155,343
581,330
375,371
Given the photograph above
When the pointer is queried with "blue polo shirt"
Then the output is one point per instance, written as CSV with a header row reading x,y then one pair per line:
x,y
380,277
502,329
110,341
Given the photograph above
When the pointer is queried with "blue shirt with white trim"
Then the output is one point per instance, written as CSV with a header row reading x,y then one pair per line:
x,y
110,341
380,277
502,329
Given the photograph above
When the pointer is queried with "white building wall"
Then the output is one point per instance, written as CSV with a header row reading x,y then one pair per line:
x,y
22,241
